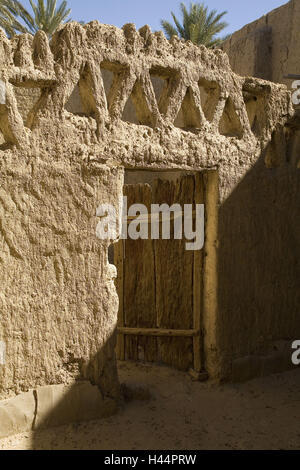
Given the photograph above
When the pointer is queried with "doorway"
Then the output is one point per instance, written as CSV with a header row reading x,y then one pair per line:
x,y
160,282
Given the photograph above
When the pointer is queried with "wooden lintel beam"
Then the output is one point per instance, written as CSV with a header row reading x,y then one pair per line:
x,y
157,332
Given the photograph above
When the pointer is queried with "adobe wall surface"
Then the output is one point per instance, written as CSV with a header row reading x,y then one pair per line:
x,y
268,48
58,304
58,300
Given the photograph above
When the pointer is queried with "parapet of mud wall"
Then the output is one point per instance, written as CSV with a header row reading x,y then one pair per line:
x,y
73,115
268,47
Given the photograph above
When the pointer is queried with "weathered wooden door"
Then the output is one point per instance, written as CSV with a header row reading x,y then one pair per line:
x,y
160,284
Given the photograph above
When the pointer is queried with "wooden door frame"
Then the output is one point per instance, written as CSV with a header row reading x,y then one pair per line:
x,y
204,333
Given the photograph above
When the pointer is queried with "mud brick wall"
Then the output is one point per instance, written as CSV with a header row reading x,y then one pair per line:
x,y
145,103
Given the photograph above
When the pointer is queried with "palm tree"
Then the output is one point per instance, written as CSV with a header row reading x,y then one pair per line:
x,y
199,25
8,18
14,18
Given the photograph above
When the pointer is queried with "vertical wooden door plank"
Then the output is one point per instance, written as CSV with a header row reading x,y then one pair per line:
x,y
174,279
119,263
139,284
198,281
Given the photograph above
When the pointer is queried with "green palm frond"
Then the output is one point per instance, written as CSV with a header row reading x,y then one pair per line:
x,y
8,18
14,18
198,25
168,28
180,28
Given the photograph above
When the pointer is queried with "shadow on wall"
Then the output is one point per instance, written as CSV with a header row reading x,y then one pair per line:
x,y
259,269
58,405
264,54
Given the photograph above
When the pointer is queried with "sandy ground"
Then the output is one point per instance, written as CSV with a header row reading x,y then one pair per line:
x,y
166,410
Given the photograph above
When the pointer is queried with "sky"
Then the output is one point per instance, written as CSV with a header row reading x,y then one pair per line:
x,y
141,12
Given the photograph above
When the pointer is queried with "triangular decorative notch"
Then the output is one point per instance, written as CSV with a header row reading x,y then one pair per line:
x,y
108,73
27,100
129,113
189,116
85,99
230,124
137,109
256,111
210,95
160,83
74,104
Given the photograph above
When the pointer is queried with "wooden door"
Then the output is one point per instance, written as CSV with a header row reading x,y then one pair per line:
x,y
160,284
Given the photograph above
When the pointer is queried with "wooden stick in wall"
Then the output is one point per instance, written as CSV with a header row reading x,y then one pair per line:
x,y
157,332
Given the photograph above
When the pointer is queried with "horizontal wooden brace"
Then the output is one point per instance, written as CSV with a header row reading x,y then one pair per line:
x,y
156,217
157,332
